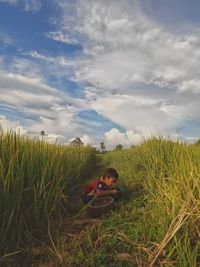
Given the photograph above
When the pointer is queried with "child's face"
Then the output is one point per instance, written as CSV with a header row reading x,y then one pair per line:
x,y
109,181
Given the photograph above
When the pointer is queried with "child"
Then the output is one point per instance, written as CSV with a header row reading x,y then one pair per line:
x,y
101,187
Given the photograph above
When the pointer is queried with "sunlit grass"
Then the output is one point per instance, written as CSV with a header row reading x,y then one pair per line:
x,y
34,179
158,222
169,173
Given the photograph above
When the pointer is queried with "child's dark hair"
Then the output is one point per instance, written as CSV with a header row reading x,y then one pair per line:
x,y
111,173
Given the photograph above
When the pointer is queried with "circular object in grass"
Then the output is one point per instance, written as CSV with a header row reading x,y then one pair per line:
x,y
100,206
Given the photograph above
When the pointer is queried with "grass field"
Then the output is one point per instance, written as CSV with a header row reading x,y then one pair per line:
x,y
35,178
162,224
157,223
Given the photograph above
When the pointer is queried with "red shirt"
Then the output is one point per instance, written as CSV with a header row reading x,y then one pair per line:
x,y
94,185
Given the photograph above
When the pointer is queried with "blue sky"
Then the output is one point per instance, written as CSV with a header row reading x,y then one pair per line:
x,y
113,71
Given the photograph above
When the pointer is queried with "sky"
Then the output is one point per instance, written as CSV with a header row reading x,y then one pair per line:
x,y
117,71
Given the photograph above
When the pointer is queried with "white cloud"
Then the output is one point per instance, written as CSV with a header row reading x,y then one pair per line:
x,y
14,125
143,114
115,137
32,5
36,104
140,76
59,36
24,68
87,140
57,60
52,138
26,5
139,50
5,40
190,85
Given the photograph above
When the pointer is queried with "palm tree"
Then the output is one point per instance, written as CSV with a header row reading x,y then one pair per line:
x,y
102,146
42,134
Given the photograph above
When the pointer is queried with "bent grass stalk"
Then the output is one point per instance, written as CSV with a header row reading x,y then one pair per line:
x,y
175,225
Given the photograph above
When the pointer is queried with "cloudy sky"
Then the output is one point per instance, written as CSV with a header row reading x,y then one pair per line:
x,y
103,70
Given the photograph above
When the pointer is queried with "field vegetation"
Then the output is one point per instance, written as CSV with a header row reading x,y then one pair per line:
x,y
35,181
157,223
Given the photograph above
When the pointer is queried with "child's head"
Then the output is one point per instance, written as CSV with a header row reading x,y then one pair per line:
x,y
110,176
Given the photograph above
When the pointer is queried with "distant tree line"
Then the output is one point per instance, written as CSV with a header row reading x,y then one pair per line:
x,y
77,142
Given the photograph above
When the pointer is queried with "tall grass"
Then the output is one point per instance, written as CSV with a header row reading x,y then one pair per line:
x,y
160,224
34,179
169,172
157,226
